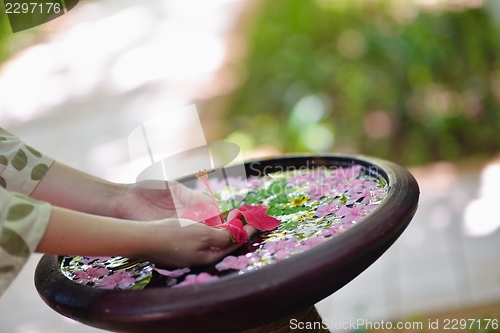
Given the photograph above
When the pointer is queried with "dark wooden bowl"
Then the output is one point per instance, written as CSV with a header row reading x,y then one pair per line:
x,y
241,302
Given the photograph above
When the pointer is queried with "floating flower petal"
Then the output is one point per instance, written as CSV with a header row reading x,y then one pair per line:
x,y
232,262
122,280
196,279
90,275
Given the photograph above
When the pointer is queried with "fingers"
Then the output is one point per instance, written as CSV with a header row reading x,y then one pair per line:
x,y
199,243
189,196
221,244
220,238
213,255
250,230
197,196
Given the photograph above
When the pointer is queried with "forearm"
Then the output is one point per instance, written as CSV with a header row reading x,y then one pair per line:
x,y
75,233
165,241
66,187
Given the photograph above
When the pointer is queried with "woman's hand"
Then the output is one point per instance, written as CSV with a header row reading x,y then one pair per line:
x,y
173,242
153,200
186,243
69,188
94,217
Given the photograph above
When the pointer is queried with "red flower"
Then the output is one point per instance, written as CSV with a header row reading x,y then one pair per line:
x,y
235,228
211,215
255,216
204,213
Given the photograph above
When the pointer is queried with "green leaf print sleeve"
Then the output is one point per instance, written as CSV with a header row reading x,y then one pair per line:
x,y
21,166
23,221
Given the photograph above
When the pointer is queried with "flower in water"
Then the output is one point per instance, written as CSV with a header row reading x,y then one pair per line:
x,y
236,184
175,273
232,262
90,275
297,180
256,217
253,215
326,209
309,243
369,208
350,214
364,193
121,280
335,230
282,254
211,215
254,182
283,249
88,260
281,245
235,228
354,214
196,279
298,201
317,191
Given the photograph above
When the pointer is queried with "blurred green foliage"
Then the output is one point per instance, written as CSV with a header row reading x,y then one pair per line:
x,y
5,34
382,78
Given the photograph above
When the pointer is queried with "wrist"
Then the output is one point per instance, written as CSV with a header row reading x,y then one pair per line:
x,y
149,238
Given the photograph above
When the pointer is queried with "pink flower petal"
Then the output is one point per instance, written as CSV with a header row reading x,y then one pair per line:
x,y
343,211
126,282
282,254
317,191
313,241
369,208
195,279
233,214
256,217
232,262
205,277
254,181
335,230
122,280
88,260
258,209
235,228
90,275
204,213
324,210
281,245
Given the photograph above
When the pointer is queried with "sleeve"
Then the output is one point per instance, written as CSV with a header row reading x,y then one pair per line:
x,y
21,166
23,221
